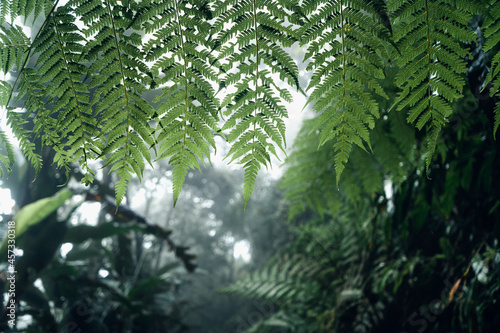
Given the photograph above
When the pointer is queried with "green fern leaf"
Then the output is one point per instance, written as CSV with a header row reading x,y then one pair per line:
x,y
24,8
281,281
497,117
345,40
60,47
253,33
16,123
13,46
428,34
6,160
432,138
32,91
119,77
185,68
5,90
309,171
492,36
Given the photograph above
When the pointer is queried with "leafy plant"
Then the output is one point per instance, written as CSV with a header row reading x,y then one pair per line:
x,y
35,212
121,285
82,79
393,251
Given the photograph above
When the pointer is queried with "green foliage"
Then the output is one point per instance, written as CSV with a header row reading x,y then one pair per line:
x,y
428,36
12,47
121,286
68,116
383,260
282,281
24,8
346,46
310,172
82,80
8,160
118,74
184,66
252,33
492,35
318,290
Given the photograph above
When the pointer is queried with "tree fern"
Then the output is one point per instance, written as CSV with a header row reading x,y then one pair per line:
x,y
184,67
345,44
432,62
492,35
310,172
254,33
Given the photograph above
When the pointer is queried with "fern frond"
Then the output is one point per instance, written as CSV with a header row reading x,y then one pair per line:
x,y
5,90
345,40
185,68
284,280
118,76
24,8
492,37
60,45
16,123
253,33
6,160
31,91
428,34
13,45
309,175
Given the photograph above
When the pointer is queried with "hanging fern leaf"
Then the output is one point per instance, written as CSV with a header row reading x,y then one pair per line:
x,y
31,94
60,45
345,41
16,122
5,90
432,64
24,8
82,80
184,67
13,45
118,77
6,160
492,35
253,33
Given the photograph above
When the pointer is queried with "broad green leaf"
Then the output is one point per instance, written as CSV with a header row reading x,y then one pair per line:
x,y
36,212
